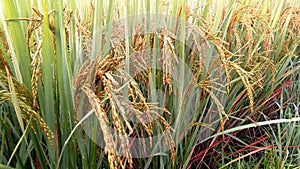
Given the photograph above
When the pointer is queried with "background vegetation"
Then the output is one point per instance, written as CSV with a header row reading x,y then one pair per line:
x,y
249,86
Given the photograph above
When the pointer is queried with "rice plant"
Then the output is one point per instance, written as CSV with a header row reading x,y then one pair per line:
x,y
149,84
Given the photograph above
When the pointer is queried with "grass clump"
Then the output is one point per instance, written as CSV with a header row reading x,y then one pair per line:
x,y
111,84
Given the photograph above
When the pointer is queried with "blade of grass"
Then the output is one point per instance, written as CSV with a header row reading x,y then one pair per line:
x,y
97,28
18,144
47,95
247,126
16,38
15,101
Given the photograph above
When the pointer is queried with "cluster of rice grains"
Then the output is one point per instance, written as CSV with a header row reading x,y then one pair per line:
x,y
18,95
100,80
117,99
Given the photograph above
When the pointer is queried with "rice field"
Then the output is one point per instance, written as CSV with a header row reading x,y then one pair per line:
x,y
149,84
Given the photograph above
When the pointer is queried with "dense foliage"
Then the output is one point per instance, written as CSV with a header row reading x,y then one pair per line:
x,y
170,84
